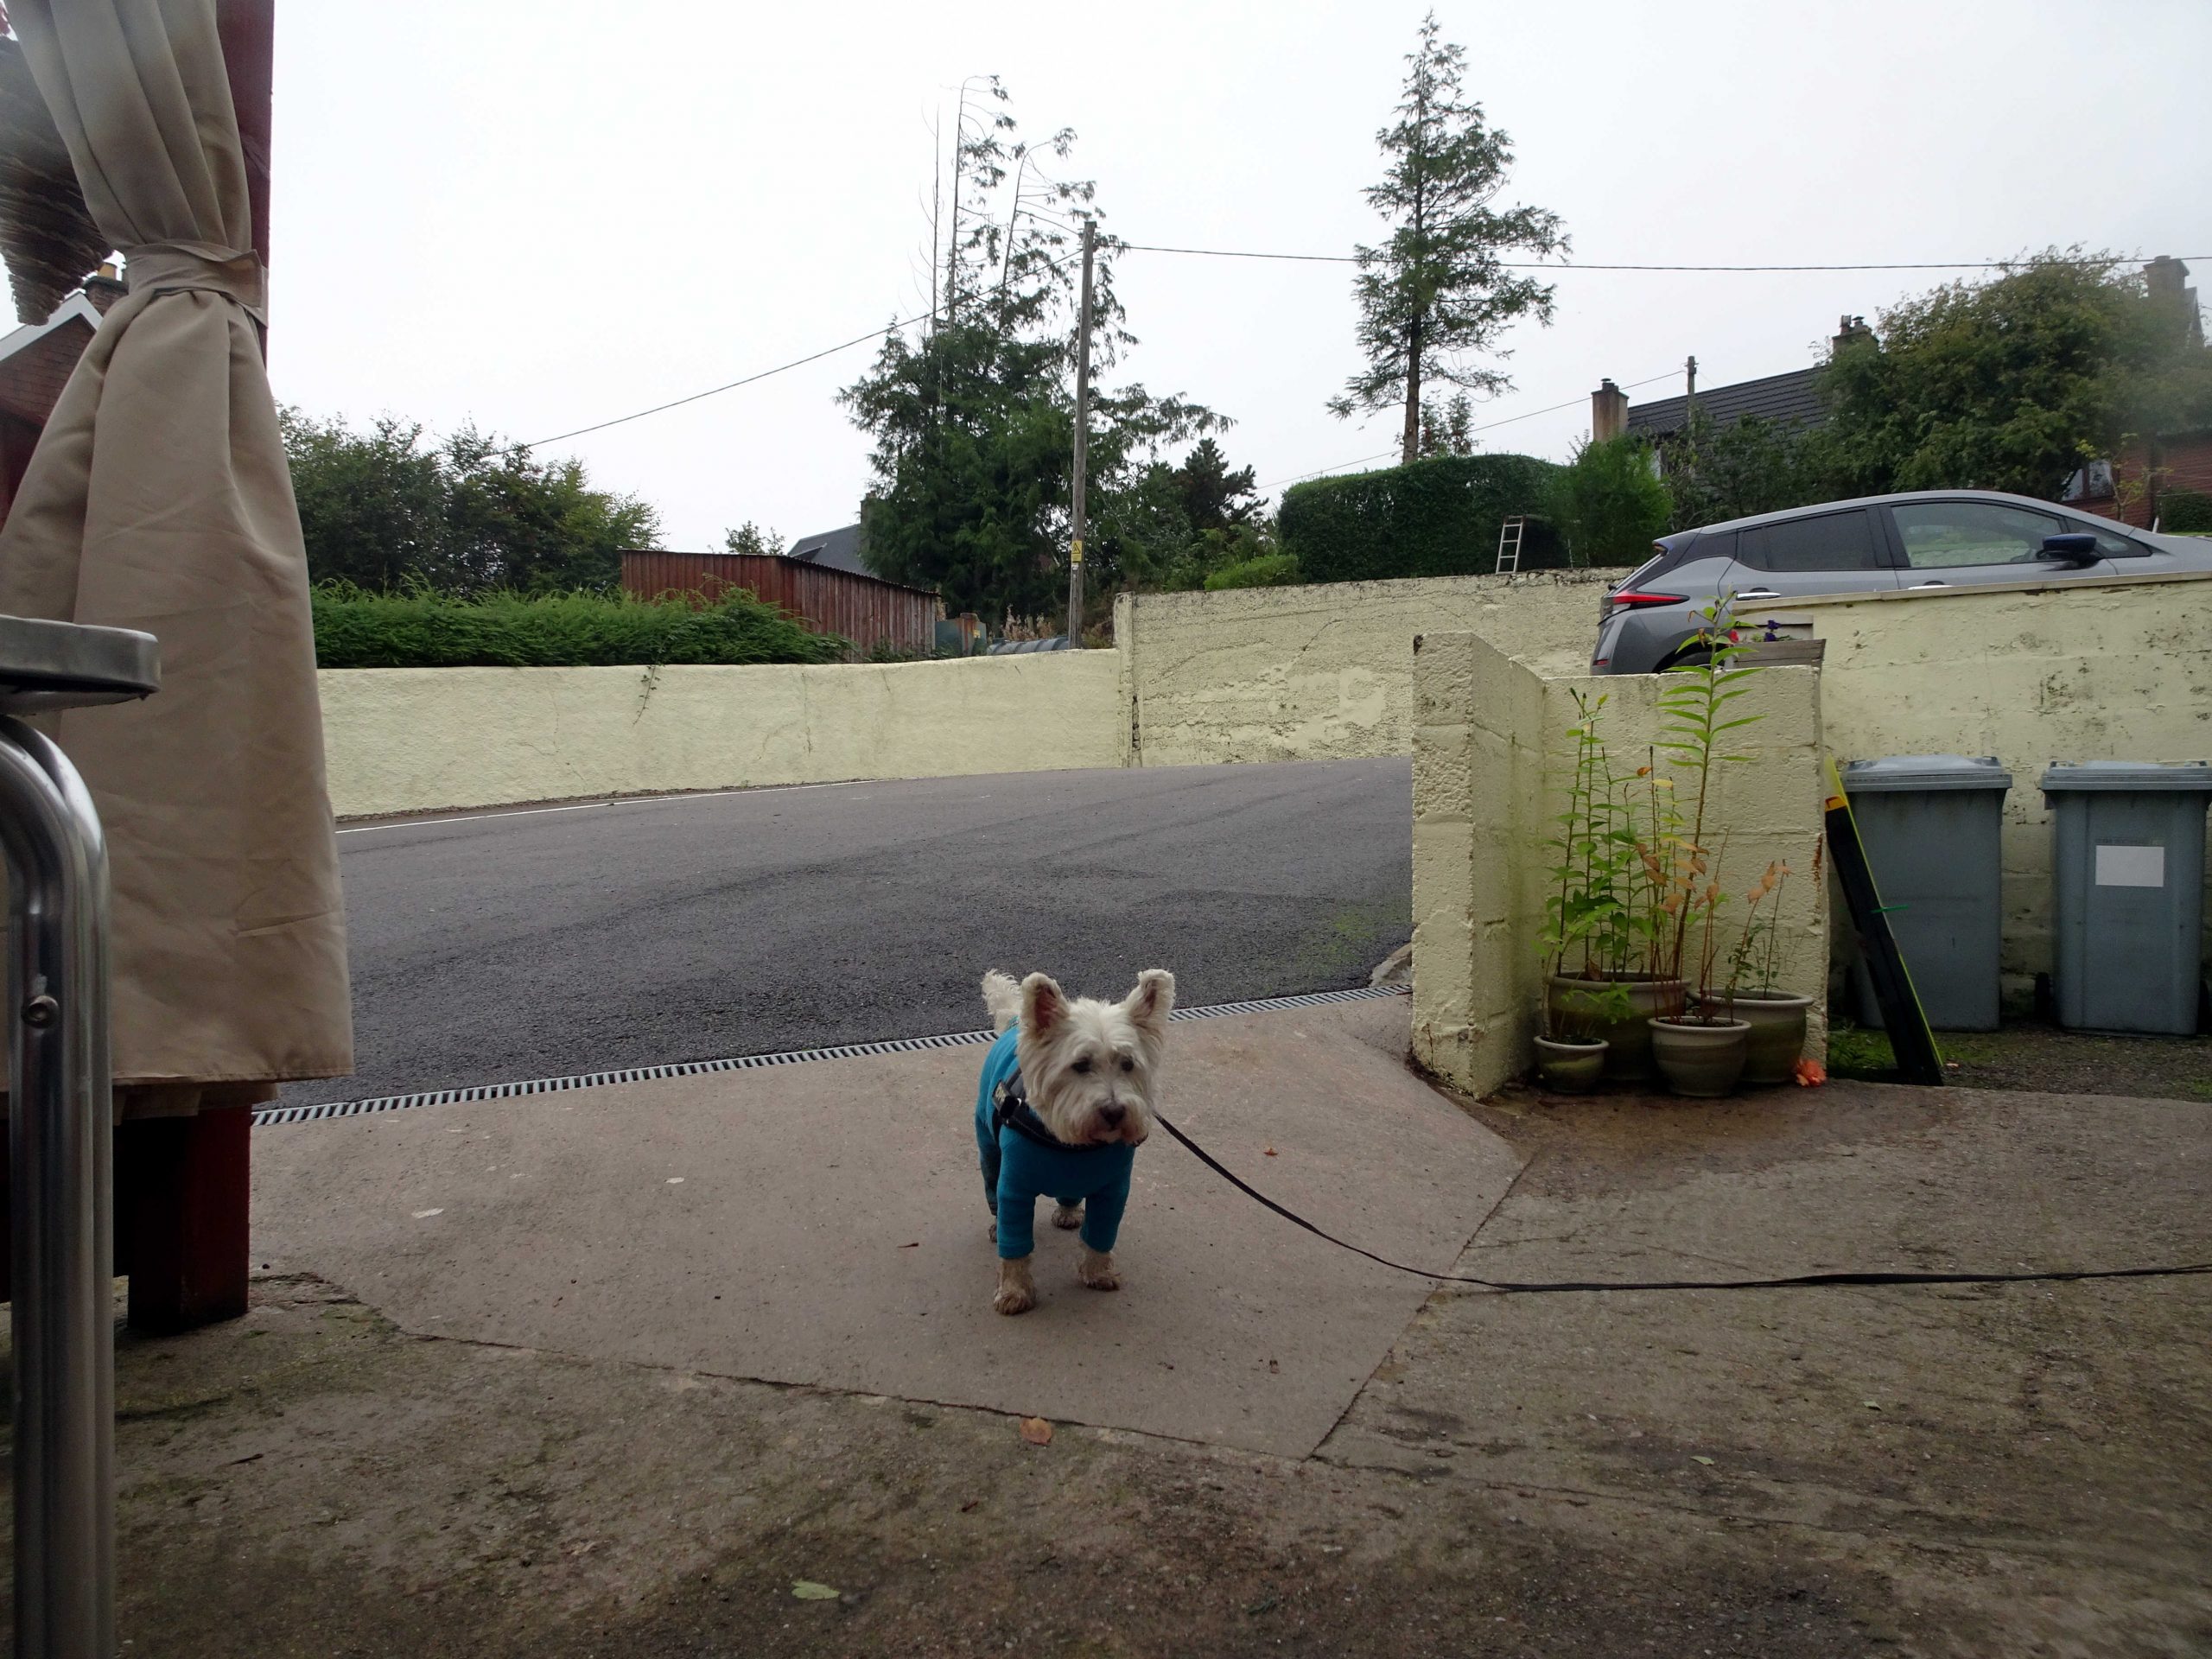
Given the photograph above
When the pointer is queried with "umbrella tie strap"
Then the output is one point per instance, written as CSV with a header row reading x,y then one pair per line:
x,y
206,267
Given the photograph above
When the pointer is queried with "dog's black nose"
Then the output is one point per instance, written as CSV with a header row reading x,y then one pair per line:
x,y
1112,1113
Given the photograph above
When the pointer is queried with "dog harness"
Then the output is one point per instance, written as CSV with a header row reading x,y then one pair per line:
x,y
1022,1160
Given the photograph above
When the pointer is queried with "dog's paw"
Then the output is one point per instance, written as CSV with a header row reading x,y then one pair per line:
x,y
1067,1217
1015,1293
1096,1270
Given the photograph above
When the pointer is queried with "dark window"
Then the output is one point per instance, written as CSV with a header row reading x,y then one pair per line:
x,y
1951,535
2109,546
1834,541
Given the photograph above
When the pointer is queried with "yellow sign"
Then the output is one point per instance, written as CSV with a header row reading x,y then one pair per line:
x,y
1075,551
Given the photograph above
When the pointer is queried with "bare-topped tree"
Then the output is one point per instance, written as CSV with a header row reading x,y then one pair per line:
x,y
1437,296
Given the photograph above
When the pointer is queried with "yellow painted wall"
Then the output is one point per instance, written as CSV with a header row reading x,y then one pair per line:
x,y
416,740
2106,670
1491,774
1324,672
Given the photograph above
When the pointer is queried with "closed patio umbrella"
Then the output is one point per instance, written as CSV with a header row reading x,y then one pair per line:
x,y
159,499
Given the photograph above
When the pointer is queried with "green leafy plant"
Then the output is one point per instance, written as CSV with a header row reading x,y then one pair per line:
x,y
1610,503
1694,722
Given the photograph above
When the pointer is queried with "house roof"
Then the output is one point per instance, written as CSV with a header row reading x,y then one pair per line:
x,y
833,549
1792,398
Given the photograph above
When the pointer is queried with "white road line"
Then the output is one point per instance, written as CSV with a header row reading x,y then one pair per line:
x,y
586,806
473,817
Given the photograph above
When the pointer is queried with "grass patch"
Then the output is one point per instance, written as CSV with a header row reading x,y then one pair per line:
x,y
356,628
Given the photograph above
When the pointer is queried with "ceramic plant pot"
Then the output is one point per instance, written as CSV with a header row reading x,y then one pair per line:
x,y
1703,1062
1777,1023
1570,1068
1628,1042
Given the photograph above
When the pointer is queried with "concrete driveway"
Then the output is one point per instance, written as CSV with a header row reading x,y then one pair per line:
x,y
413,1445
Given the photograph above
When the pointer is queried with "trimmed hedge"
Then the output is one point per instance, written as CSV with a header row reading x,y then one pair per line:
x,y
2185,512
357,628
1436,517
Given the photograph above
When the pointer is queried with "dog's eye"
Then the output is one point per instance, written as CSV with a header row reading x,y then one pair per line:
x,y
1082,1068
1127,1064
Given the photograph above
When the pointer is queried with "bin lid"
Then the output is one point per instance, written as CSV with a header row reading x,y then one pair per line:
x,y
2130,776
1929,773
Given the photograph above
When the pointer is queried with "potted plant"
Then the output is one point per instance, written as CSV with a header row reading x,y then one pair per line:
x,y
1699,1050
1572,1049
1601,908
1757,965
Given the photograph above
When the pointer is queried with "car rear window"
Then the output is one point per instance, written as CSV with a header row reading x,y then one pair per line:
x,y
1829,541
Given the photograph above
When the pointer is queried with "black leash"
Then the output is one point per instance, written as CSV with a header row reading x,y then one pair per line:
x,y
1795,1282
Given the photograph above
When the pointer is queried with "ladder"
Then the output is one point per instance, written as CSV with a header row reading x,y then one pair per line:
x,y
1509,545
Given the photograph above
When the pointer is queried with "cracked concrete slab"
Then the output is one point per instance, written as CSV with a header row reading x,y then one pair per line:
x,y
823,1223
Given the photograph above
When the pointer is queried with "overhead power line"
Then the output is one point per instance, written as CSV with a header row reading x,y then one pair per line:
x,y
1241,253
1576,264
747,380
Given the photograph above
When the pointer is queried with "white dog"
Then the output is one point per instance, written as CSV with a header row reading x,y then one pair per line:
x,y
1066,1100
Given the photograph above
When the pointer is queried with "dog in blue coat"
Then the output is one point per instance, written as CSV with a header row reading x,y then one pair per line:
x,y
1066,1100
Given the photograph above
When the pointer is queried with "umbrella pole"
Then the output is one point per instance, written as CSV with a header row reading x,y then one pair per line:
x,y
60,1150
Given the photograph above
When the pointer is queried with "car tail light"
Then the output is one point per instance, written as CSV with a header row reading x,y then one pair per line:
x,y
1635,598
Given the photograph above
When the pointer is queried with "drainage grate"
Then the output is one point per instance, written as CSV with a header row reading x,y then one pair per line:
x,y
276,1115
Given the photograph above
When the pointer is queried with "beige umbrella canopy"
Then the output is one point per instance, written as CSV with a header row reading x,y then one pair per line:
x,y
159,499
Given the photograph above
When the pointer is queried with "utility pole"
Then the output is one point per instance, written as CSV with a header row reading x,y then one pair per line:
x,y
1081,436
1689,398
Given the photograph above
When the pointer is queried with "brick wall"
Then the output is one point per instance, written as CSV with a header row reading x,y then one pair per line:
x,y
2180,464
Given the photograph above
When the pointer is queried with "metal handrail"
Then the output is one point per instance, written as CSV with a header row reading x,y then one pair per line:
x,y
60,1150
60,1135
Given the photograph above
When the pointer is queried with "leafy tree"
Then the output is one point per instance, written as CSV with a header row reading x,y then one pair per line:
x,y
1439,289
1215,497
1449,430
1609,503
750,537
371,505
2012,383
385,509
974,423
1715,472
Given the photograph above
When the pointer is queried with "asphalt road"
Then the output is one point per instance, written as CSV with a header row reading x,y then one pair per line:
x,y
539,944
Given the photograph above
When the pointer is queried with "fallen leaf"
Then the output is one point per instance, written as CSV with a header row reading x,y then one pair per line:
x,y
1871,1405
969,1504
1811,1074
808,1590
1036,1431
1271,1152
1707,1462
916,1245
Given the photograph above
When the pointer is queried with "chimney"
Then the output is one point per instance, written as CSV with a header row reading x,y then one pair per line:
x,y
104,288
1849,331
1608,412
2166,280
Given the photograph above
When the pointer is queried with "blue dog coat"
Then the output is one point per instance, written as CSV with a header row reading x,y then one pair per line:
x,y
1017,1169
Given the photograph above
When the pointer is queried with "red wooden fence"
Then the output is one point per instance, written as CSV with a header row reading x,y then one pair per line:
x,y
865,610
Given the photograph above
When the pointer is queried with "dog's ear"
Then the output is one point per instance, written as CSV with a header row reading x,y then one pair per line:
x,y
1148,1005
1044,1005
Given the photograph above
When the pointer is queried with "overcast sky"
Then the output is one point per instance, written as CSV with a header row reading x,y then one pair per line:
x,y
537,214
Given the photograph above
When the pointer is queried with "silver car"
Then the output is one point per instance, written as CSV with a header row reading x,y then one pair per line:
x,y
1930,539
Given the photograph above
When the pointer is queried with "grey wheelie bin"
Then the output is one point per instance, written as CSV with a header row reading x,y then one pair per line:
x,y
2127,861
1931,825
